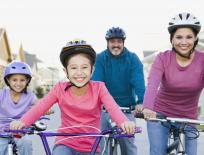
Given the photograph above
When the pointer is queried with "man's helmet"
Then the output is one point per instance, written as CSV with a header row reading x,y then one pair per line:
x,y
75,47
184,20
115,32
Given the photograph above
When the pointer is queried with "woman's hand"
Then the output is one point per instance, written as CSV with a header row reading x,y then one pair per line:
x,y
16,125
128,127
149,113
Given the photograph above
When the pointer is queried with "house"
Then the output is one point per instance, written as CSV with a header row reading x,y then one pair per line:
x,y
5,54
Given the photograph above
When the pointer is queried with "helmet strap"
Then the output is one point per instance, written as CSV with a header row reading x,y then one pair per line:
x,y
80,86
23,91
189,53
72,84
182,55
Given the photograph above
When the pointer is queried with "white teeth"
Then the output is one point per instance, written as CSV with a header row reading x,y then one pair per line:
x,y
79,79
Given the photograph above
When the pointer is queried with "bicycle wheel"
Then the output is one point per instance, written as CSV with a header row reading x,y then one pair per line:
x,y
117,150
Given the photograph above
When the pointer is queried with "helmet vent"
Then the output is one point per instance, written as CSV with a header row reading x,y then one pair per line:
x,y
184,20
76,47
187,16
171,23
17,67
180,16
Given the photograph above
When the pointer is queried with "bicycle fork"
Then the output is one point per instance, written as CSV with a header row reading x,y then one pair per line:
x,y
12,147
178,146
113,146
181,145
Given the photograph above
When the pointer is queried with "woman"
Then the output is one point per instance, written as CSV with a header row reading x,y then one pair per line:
x,y
175,82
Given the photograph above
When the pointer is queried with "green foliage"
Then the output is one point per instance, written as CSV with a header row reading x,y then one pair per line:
x,y
39,92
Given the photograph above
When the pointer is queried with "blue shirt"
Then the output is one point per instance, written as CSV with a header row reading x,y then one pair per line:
x,y
123,76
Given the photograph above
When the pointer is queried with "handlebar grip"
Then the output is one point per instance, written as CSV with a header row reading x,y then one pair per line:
x,y
44,118
158,116
139,115
137,130
39,126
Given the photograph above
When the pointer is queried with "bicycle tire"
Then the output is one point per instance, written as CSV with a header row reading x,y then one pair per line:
x,y
116,150
173,146
114,147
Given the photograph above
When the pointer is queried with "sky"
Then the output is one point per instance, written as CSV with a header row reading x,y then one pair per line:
x,y
43,27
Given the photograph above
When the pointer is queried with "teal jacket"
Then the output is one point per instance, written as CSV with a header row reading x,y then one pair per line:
x,y
123,76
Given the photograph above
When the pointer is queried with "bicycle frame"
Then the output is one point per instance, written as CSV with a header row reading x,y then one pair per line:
x,y
44,135
12,146
112,143
179,139
179,132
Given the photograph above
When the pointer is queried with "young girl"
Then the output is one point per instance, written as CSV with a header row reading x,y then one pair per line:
x,y
15,101
80,101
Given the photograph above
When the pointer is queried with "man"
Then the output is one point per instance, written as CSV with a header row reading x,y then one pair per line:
x,y
122,72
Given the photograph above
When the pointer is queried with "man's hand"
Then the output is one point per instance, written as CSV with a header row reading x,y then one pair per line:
x,y
138,108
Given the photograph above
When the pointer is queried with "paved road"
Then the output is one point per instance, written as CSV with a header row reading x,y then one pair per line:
x,y
142,140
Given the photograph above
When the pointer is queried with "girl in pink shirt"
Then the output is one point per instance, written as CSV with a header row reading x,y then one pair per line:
x,y
175,82
80,101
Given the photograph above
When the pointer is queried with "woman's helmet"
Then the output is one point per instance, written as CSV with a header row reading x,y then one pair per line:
x,y
75,47
115,32
184,20
17,68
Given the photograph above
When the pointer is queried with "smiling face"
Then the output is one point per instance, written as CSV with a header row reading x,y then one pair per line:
x,y
17,82
79,70
183,40
116,46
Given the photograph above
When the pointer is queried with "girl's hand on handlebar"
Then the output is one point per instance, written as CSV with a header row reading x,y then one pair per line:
x,y
17,125
50,111
149,113
128,127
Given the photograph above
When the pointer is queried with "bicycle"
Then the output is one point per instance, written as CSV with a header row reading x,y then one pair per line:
x,y
12,146
177,134
112,143
113,132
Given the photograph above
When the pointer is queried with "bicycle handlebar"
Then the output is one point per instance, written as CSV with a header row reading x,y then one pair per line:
x,y
118,131
171,119
113,132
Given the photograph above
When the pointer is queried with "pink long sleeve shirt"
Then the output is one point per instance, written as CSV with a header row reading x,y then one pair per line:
x,y
77,111
173,90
